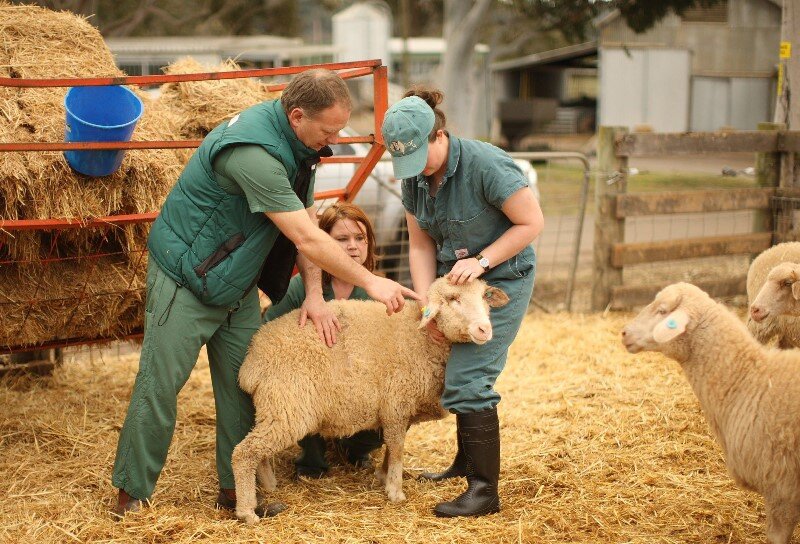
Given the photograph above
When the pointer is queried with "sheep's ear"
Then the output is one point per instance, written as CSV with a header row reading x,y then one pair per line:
x,y
670,327
497,298
428,313
796,290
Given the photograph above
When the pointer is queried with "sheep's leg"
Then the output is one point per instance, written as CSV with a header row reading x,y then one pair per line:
x,y
382,468
782,517
260,444
266,477
394,438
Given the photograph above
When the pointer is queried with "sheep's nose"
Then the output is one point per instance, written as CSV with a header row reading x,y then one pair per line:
x,y
481,332
758,313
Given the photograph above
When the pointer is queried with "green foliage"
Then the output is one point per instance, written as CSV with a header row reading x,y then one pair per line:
x,y
573,18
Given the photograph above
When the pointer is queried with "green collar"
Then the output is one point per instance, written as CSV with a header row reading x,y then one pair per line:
x,y
299,149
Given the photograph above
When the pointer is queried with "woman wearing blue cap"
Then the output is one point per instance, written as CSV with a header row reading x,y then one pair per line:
x,y
470,215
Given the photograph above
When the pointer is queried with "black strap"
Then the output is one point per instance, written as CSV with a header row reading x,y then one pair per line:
x,y
279,264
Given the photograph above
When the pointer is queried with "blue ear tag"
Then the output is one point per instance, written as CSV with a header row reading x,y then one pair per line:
x,y
671,324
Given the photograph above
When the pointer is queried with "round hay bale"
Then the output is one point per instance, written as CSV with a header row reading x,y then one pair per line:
x,y
202,105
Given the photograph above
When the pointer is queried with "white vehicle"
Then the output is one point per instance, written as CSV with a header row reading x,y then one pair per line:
x,y
381,199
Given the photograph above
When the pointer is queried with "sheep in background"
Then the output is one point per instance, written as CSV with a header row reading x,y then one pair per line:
x,y
764,327
749,394
779,296
384,372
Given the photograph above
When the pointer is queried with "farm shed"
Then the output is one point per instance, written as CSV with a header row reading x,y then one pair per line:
x,y
711,68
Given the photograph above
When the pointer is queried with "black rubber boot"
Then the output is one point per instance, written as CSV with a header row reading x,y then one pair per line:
x,y
311,462
456,470
356,449
480,439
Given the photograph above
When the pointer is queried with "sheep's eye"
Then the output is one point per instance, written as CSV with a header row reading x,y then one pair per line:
x,y
453,299
787,283
661,311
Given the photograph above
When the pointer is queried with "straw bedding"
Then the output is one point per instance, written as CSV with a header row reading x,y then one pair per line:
x,y
38,43
597,446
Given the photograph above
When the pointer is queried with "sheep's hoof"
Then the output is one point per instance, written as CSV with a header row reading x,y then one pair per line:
x,y
396,495
249,518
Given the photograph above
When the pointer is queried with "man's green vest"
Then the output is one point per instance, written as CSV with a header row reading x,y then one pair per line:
x,y
208,240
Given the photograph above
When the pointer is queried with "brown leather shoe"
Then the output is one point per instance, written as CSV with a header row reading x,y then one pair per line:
x,y
125,504
226,500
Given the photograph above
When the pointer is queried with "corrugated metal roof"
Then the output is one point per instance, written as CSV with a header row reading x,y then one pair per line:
x,y
429,46
250,47
545,57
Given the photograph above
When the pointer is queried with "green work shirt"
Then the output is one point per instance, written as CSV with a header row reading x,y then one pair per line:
x,y
296,294
465,216
260,177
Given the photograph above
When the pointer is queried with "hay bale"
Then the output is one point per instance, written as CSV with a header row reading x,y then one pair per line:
x,y
39,43
202,105
78,298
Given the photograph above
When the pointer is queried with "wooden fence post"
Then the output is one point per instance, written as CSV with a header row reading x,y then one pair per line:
x,y
611,179
768,173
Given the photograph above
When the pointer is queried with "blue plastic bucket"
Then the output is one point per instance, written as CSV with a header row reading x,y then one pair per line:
x,y
99,114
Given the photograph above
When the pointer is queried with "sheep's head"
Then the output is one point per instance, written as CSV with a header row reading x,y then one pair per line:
x,y
780,294
662,325
462,311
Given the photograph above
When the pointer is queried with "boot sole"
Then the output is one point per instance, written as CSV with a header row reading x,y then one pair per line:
x,y
494,509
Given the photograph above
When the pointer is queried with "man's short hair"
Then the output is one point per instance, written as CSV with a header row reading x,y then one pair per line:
x,y
315,90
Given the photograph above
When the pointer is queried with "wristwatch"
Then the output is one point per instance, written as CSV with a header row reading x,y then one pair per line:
x,y
483,261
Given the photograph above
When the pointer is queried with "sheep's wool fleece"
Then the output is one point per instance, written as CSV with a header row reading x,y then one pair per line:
x,y
286,360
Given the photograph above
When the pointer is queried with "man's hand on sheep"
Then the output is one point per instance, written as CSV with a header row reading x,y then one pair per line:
x,y
390,293
323,318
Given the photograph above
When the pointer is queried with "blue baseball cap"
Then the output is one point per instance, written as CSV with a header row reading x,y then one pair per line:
x,y
405,130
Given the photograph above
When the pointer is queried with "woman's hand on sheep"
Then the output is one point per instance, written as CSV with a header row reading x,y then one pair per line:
x,y
465,270
390,293
323,318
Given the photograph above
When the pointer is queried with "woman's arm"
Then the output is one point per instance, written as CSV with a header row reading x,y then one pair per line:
x,y
421,257
422,263
523,210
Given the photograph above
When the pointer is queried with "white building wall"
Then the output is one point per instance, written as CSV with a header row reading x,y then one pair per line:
x,y
644,87
362,32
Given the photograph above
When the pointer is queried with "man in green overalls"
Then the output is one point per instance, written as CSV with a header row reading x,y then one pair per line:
x,y
208,248
470,214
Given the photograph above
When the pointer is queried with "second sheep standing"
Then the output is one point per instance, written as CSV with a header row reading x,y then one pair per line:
x,y
749,394
384,372
766,327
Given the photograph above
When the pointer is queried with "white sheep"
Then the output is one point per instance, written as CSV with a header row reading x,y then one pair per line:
x,y
763,288
384,372
750,394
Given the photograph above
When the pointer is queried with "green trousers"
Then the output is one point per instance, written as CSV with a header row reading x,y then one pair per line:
x,y
177,326
472,370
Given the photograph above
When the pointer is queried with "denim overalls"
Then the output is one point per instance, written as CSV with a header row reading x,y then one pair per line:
x,y
463,219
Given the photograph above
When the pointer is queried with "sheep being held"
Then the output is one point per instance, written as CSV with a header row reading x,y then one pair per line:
x,y
383,372
771,312
750,394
